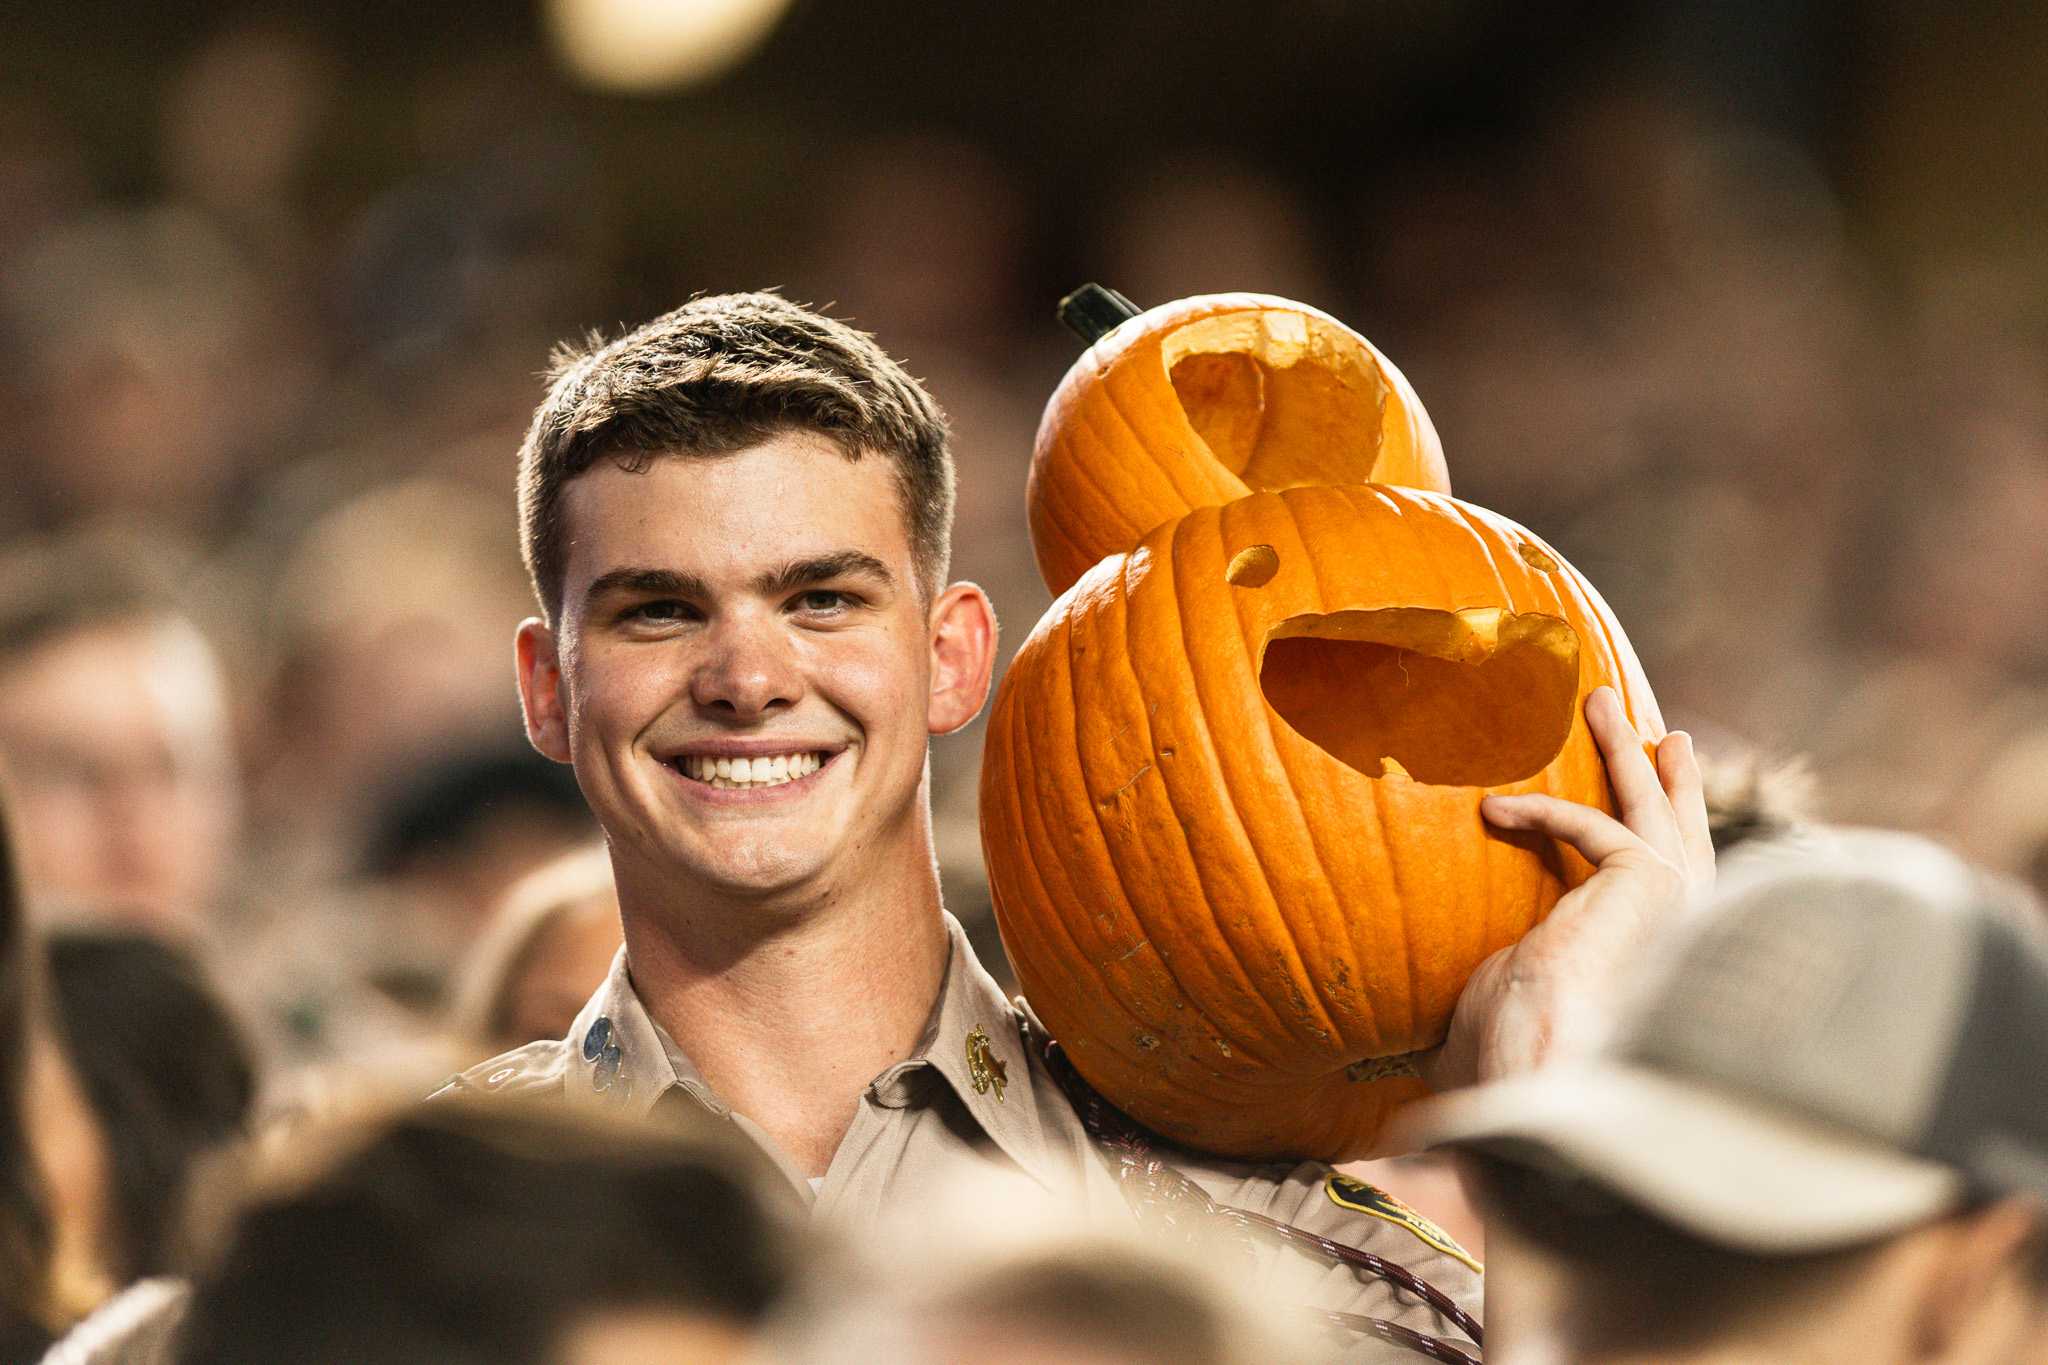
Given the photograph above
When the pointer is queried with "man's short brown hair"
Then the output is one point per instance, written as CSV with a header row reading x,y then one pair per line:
x,y
719,374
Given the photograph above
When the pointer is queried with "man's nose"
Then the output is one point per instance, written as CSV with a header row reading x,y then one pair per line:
x,y
748,669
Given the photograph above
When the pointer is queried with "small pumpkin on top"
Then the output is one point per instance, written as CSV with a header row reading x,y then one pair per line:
x,y
1204,401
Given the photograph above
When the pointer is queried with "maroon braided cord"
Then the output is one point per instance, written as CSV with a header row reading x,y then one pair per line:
x,y
1436,1348
1160,1193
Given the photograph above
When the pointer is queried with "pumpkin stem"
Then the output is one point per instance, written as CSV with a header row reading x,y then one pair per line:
x,y
1091,311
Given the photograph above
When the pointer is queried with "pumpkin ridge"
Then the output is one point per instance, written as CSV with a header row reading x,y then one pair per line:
x,y
1169,473
1379,806
1491,929
1296,969
1151,932
1087,477
1053,522
1479,532
1107,497
1472,949
1254,657
1023,811
1070,876
1027,865
1133,918
1392,854
1245,980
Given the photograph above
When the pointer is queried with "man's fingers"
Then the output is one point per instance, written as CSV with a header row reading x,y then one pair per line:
x,y
1638,792
1597,835
1678,768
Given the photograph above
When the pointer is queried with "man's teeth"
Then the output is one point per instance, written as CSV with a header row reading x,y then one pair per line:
x,y
767,770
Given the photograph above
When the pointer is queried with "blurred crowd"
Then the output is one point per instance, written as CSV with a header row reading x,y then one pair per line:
x,y
1809,486
264,769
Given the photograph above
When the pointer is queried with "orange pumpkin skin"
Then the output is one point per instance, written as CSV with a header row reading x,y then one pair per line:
x,y
1225,922
1204,400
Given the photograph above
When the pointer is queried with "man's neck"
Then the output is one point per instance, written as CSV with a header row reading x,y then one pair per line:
x,y
789,1018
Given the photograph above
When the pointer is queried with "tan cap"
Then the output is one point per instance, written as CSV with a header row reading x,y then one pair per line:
x,y
1837,1050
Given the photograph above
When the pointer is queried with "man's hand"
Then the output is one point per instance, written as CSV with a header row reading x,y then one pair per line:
x,y
1549,995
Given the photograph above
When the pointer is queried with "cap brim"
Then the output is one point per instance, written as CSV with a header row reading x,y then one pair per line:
x,y
1733,1171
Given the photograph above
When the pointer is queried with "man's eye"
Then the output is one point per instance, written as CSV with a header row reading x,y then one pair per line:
x,y
823,600
660,610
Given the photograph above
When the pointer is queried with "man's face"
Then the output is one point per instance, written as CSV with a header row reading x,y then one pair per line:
x,y
742,667
114,741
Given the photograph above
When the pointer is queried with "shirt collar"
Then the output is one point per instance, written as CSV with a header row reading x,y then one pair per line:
x,y
620,1056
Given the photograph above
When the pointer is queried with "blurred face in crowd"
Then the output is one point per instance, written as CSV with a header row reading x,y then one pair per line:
x,y
744,672
559,970
1958,1291
114,742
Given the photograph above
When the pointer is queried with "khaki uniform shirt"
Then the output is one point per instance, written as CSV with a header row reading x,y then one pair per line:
x,y
976,1091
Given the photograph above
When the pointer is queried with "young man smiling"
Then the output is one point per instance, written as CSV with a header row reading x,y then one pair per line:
x,y
737,522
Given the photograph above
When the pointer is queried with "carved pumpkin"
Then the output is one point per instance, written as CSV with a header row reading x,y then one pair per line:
x,y
1230,801
1207,399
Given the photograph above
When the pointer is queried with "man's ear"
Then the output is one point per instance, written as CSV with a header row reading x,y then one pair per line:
x,y
540,689
963,644
1980,1291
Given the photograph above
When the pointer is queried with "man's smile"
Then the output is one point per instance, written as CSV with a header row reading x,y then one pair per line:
x,y
786,767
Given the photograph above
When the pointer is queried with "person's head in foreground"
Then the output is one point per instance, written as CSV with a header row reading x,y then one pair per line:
x,y
462,1232
1821,1135
989,1268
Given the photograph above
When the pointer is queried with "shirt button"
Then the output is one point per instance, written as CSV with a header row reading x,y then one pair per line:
x,y
595,1040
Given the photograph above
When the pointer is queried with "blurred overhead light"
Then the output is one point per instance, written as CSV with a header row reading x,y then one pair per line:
x,y
646,46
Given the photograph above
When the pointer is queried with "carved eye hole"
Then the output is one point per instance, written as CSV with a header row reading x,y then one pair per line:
x,y
1536,558
1280,398
1253,566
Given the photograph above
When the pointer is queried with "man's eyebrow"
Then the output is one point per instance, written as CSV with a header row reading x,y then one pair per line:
x,y
655,582
800,573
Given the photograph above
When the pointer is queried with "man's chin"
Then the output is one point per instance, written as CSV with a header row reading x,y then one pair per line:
x,y
773,876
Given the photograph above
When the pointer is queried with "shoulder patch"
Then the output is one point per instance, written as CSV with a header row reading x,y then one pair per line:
x,y
1370,1199
536,1067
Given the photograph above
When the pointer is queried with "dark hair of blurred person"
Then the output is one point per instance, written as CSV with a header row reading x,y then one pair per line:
x,y
1753,796
1821,1134
26,1314
454,832
488,1231
114,733
165,1070
547,949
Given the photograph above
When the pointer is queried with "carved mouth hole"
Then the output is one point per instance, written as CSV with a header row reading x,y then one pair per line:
x,y
1281,399
1477,698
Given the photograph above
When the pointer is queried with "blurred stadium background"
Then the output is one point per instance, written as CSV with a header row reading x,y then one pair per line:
x,y
1744,305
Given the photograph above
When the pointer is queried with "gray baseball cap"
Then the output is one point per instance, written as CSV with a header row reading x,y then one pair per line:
x,y
1851,1040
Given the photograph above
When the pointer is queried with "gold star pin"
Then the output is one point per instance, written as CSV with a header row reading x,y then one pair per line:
x,y
984,1068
